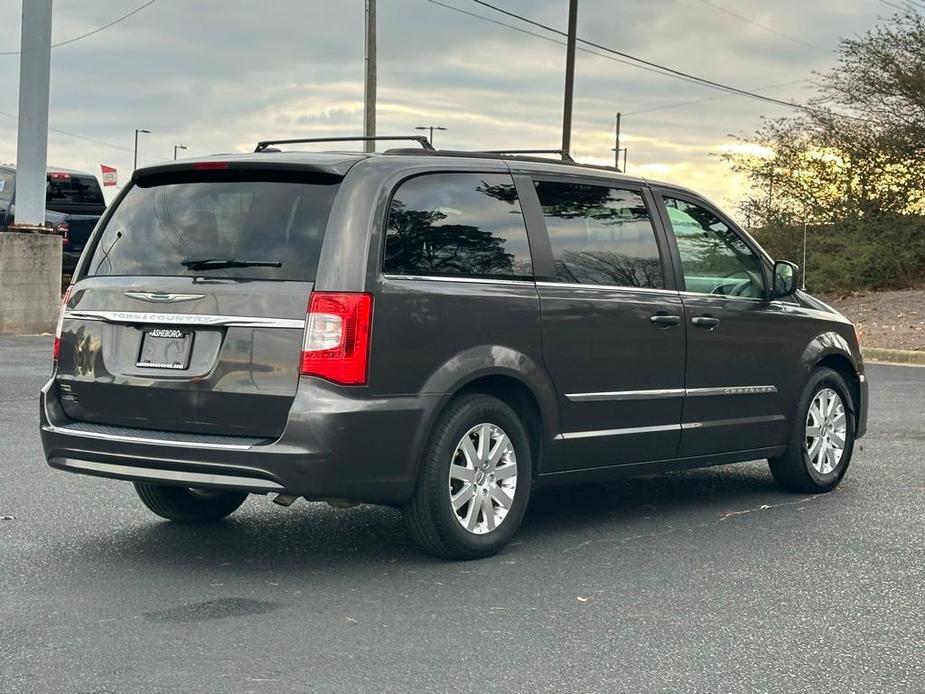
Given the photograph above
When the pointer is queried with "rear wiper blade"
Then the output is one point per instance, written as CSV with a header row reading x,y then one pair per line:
x,y
218,263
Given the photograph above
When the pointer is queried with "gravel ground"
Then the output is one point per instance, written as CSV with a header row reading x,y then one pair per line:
x,y
891,320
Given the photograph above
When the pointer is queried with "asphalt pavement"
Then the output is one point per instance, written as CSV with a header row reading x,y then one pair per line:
x,y
709,580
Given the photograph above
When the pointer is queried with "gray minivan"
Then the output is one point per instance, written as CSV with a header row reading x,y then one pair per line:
x,y
435,330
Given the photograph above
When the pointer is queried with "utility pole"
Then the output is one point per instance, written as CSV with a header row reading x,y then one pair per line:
x,y
569,76
803,267
616,143
431,128
369,100
32,136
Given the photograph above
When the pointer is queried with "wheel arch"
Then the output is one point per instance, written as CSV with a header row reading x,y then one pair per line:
x,y
833,351
509,375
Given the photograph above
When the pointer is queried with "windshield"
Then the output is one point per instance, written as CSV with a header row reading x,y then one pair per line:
x,y
246,229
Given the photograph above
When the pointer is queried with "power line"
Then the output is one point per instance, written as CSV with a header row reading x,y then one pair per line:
x,y
771,30
550,39
666,70
92,140
94,31
710,98
76,135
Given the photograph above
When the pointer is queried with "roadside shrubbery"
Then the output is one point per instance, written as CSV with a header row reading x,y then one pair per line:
x,y
852,164
886,252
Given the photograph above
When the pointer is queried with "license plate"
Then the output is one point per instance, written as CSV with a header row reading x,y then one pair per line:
x,y
165,348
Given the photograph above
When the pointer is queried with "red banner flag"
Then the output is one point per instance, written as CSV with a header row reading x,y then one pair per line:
x,y
109,175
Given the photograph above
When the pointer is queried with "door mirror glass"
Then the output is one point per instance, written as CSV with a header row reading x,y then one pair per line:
x,y
785,279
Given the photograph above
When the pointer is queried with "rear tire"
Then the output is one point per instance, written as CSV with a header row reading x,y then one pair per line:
x,y
474,482
186,505
821,442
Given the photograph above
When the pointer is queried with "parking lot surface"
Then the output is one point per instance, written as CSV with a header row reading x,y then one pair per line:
x,y
709,580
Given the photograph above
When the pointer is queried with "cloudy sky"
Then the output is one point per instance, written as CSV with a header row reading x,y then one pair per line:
x,y
218,75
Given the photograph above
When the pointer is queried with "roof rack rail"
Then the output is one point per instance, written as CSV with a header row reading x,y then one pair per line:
x,y
265,145
561,152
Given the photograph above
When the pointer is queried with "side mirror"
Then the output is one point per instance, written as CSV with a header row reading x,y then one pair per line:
x,y
784,279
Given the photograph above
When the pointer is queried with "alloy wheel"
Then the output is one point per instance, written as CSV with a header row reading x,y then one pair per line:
x,y
483,478
826,431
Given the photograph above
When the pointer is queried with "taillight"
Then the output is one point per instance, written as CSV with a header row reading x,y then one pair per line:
x,y
56,350
337,337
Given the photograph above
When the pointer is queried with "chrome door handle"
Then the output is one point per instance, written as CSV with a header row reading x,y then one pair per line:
x,y
707,322
664,320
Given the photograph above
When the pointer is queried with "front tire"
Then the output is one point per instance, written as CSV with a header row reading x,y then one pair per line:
x,y
822,439
186,505
474,482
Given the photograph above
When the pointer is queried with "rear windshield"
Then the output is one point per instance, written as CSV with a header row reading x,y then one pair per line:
x,y
163,229
75,190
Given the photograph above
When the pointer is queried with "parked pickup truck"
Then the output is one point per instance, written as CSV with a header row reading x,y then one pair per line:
x,y
73,205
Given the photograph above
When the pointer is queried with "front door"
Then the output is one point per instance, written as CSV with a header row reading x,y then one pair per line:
x,y
613,337
738,351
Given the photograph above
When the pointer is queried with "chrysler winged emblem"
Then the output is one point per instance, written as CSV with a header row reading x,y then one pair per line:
x,y
163,297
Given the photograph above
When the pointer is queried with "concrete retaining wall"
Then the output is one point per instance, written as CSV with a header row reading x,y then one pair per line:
x,y
30,283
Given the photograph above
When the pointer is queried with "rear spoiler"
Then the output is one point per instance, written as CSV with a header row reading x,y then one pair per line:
x,y
236,169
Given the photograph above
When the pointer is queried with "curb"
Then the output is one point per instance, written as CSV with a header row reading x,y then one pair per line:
x,y
894,356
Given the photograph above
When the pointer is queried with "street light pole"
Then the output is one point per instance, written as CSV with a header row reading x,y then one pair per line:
x,y
431,128
569,76
175,148
135,160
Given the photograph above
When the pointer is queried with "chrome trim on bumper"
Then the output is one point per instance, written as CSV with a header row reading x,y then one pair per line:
x,y
186,319
153,441
158,475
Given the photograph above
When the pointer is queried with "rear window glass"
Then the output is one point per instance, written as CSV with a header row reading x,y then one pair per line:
x,y
164,229
600,235
457,224
79,190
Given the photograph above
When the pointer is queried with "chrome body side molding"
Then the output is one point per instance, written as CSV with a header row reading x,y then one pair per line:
x,y
660,393
566,436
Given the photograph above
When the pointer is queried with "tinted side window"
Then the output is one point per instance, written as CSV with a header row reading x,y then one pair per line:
x,y
714,259
457,224
600,235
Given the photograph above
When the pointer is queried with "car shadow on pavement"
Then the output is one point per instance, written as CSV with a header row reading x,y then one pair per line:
x,y
317,537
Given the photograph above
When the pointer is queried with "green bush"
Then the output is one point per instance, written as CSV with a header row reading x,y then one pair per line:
x,y
887,252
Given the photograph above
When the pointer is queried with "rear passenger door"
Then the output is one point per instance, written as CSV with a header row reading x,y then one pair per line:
x,y
456,294
613,338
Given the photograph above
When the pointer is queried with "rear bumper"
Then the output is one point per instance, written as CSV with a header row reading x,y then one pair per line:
x,y
336,444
